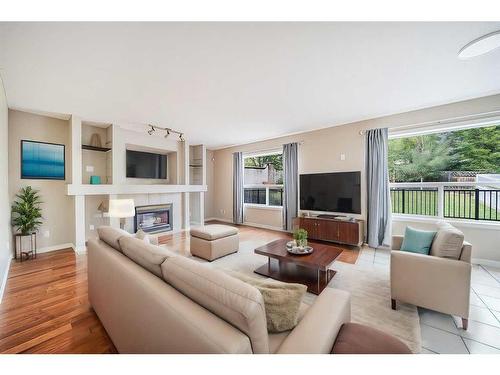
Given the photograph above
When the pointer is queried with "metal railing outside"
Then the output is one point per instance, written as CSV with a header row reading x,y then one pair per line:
x,y
457,200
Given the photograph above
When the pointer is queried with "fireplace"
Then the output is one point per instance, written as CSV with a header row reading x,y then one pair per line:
x,y
153,219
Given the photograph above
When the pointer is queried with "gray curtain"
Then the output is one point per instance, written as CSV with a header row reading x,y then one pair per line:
x,y
238,188
378,194
290,182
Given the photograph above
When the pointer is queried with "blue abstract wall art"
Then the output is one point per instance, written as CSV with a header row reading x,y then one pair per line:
x,y
40,160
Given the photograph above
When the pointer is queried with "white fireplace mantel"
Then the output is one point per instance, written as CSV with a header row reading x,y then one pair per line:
x,y
84,189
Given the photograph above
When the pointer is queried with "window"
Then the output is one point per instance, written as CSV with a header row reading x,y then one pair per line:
x,y
263,180
454,174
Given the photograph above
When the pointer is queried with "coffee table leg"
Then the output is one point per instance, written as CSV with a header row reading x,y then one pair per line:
x,y
269,264
319,278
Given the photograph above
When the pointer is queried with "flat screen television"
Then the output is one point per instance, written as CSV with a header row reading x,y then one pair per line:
x,y
331,192
146,165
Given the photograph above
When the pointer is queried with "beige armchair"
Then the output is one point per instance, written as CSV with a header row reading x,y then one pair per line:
x,y
434,282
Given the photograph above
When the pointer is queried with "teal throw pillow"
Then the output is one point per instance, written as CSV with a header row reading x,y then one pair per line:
x,y
417,241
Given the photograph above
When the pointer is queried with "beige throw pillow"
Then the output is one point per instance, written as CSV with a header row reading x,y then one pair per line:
x,y
282,301
448,242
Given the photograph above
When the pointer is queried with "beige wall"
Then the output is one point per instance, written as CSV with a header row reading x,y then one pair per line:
x,y
5,232
57,207
264,217
320,151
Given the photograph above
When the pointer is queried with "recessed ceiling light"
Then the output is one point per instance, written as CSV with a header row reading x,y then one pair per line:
x,y
480,46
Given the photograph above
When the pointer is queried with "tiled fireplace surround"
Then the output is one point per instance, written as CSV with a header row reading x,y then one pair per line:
x,y
153,218
171,200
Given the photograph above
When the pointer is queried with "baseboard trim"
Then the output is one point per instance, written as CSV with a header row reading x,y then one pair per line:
x,y
263,226
486,262
4,279
62,246
80,250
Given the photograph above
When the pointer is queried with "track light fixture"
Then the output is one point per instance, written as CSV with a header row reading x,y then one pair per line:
x,y
153,128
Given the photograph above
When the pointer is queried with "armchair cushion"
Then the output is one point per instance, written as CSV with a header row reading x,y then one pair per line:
x,y
448,242
417,241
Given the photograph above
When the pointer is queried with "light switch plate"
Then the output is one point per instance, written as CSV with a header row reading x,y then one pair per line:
x,y
342,156
89,168
91,227
46,234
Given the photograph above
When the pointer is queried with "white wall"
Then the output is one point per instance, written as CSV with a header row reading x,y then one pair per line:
x,y
209,195
5,232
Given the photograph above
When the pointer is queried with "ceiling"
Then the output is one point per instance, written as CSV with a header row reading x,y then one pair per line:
x,y
232,83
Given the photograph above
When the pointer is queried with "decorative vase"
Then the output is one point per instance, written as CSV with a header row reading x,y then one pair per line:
x,y
95,140
95,180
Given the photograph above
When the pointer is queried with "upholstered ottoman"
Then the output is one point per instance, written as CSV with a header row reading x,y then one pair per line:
x,y
214,241
356,338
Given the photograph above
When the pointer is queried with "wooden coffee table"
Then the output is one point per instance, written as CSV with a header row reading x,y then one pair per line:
x,y
310,270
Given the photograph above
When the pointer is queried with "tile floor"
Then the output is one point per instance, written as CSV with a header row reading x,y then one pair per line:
x,y
442,333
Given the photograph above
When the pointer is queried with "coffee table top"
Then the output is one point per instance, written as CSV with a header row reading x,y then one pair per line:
x,y
321,258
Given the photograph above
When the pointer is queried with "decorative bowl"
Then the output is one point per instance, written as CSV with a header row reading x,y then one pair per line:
x,y
296,250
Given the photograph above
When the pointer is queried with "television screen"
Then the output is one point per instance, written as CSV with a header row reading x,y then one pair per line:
x,y
146,165
331,192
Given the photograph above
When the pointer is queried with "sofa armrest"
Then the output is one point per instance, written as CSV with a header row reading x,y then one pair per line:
x,y
318,329
397,241
435,283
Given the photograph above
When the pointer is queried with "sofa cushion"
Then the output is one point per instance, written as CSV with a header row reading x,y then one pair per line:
x,y
448,242
417,241
231,299
146,255
356,338
111,236
282,301
213,231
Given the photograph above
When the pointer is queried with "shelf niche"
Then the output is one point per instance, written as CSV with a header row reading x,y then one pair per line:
x,y
97,160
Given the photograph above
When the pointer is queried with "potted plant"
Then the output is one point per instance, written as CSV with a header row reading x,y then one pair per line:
x,y
300,237
26,211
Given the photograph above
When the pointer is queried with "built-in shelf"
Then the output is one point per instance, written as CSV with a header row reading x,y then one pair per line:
x,y
86,189
94,148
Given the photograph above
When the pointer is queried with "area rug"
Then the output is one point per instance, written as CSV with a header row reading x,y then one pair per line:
x,y
367,281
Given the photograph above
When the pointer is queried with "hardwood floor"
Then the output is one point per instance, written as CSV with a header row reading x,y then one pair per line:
x,y
45,308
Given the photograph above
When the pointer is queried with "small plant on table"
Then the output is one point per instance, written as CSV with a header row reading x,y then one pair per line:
x,y
300,237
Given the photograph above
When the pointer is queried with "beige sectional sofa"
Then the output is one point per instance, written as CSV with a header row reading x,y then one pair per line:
x,y
152,301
